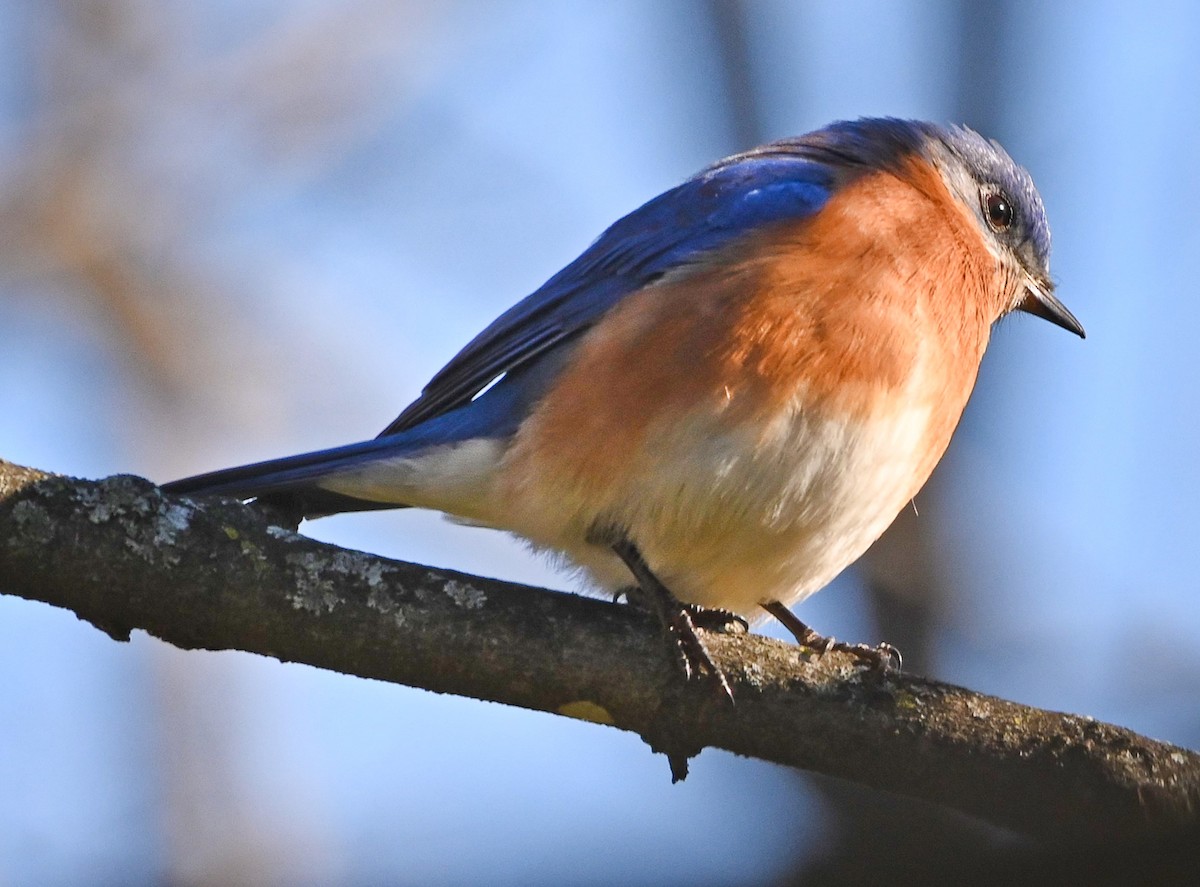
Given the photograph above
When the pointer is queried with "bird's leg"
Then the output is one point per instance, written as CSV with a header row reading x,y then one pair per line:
x,y
676,618
881,658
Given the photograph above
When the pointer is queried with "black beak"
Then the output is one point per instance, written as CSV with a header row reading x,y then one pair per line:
x,y
1040,301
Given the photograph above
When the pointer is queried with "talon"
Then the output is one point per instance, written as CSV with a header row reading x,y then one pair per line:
x,y
717,619
693,653
893,657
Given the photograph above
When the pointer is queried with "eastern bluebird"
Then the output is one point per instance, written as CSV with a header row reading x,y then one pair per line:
x,y
731,393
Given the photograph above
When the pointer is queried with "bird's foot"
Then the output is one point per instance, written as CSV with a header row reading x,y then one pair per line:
x,y
709,618
882,658
690,651
717,619
679,621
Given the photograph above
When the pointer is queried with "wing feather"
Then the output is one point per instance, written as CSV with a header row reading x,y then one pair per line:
x,y
727,200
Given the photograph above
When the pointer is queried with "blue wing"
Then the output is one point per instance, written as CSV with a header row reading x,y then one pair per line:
x,y
530,342
772,184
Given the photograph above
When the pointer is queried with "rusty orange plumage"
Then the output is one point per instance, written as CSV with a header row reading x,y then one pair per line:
x,y
732,393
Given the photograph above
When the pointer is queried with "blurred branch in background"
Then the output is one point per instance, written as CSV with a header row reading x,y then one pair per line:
x,y
146,126
141,136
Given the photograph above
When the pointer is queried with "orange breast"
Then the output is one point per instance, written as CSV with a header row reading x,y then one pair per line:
x,y
840,313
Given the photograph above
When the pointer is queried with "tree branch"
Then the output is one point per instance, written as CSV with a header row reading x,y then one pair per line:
x,y
216,575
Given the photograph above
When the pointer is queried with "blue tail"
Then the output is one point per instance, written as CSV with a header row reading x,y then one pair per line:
x,y
293,481
299,475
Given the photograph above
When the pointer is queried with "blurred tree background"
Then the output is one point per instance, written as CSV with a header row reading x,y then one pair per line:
x,y
237,229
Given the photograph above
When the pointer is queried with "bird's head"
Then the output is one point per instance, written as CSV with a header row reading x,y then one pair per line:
x,y
1008,209
997,193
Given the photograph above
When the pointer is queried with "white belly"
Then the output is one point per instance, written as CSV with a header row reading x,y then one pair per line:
x,y
738,520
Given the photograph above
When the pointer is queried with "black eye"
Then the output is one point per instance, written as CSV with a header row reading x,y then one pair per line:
x,y
998,210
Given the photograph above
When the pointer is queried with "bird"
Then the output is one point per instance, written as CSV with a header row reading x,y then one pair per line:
x,y
732,392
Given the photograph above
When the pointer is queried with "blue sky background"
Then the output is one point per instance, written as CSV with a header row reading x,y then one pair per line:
x,y
236,230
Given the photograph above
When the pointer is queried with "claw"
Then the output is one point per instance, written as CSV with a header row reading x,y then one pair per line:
x,y
717,619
